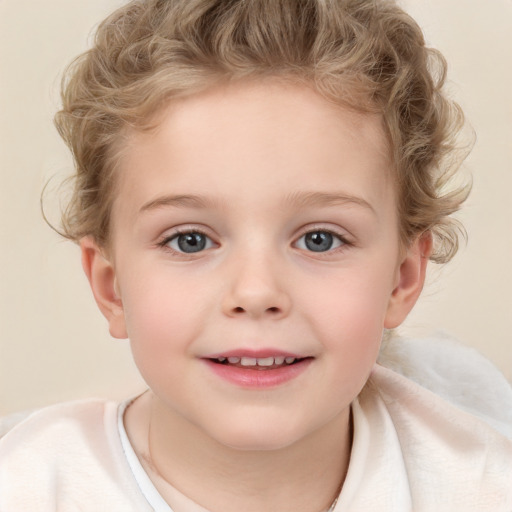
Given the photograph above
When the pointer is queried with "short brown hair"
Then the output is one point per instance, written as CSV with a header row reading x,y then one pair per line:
x,y
367,54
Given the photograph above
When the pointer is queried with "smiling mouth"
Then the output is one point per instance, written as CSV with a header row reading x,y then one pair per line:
x,y
259,363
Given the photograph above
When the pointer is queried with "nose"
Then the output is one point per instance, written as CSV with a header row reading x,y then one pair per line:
x,y
255,289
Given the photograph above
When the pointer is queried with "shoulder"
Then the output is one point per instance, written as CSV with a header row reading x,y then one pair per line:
x,y
457,373
65,456
59,424
450,455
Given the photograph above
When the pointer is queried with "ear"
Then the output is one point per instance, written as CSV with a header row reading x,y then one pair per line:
x,y
102,278
409,281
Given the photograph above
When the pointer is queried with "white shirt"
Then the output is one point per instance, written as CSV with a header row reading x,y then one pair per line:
x,y
412,451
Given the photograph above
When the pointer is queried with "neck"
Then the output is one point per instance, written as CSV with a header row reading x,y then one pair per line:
x,y
303,477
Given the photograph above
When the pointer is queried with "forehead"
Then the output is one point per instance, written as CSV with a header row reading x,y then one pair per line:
x,y
262,137
258,109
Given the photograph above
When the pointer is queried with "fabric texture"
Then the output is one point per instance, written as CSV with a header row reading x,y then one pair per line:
x,y
412,451
455,372
416,452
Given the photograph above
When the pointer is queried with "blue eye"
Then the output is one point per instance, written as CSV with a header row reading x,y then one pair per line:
x,y
189,242
320,241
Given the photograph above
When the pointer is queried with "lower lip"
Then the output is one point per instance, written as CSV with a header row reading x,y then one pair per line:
x,y
258,379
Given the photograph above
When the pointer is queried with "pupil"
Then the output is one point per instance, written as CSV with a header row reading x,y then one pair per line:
x,y
319,241
192,242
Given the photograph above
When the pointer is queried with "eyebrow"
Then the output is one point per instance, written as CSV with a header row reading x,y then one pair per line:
x,y
308,199
180,201
299,199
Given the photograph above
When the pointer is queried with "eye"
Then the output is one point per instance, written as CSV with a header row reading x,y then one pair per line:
x,y
188,243
320,241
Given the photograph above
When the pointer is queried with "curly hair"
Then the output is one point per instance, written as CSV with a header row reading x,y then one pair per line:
x,y
366,54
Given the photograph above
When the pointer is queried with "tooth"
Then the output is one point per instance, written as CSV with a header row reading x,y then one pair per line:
x,y
234,360
265,361
221,359
248,361
279,360
289,360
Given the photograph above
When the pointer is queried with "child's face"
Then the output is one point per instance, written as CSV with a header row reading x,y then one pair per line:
x,y
259,221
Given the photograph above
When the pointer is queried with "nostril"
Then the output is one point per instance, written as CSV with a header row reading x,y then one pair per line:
x,y
272,309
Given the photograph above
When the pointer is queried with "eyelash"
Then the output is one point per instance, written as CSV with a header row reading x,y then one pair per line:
x,y
164,243
342,238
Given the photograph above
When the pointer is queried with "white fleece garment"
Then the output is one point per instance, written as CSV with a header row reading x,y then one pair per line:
x,y
412,451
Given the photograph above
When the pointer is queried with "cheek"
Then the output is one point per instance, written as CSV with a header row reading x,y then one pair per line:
x,y
360,296
348,313
159,314
160,329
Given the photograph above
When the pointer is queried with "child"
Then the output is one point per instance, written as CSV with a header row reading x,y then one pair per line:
x,y
259,187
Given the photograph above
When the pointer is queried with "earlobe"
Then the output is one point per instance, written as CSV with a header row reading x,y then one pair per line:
x,y
409,282
101,275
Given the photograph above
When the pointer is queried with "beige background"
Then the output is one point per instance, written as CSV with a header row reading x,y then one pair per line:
x,y
54,344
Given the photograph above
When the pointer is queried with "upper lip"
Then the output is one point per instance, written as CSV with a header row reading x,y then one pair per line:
x,y
255,354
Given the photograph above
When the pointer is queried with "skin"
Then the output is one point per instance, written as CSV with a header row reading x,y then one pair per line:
x,y
253,167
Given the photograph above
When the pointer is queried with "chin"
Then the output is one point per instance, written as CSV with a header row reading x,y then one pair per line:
x,y
258,437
